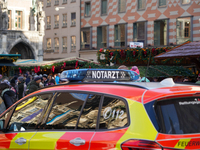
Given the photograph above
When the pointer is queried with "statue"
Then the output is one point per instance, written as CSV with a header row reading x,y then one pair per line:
x,y
5,20
40,19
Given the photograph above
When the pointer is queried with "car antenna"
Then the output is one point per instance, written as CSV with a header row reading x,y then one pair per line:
x,y
147,66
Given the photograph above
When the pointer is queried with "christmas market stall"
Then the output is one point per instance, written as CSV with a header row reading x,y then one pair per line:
x,y
53,67
144,57
7,62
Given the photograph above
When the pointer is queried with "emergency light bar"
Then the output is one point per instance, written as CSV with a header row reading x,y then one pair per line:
x,y
108,75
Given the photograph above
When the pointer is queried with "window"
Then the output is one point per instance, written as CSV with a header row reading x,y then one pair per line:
x,y
119,34
85,38
48,3
183,30
9,19
48,44
139,31
122,6
73,19
141,4
27,114
88,119
73,43
18,19
49,22
103,7
185,1
56,44
56,21
64,1
64,42
66,110
160,32
179,116
72,1
56,2
64,20
113,114
102,37
162,2
87,9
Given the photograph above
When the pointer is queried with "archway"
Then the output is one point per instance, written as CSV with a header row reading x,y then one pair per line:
x,y
24,49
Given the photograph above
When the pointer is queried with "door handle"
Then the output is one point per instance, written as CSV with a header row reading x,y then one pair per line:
x,y
20,141
77,141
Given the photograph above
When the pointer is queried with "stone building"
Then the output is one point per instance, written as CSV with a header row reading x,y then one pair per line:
x,y
22,28
62,29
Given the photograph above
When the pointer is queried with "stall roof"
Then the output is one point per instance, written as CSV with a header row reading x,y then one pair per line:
x,y
32,62
191,49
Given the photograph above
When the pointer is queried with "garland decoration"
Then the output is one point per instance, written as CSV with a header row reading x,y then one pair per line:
x,y
134,55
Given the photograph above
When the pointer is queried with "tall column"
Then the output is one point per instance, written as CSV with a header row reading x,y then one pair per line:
x,y
150,33
172,31
4,44
111,36
196,28
129,33
39,52
94,37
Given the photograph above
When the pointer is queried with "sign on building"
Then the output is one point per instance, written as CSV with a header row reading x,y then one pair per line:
x,y
136,44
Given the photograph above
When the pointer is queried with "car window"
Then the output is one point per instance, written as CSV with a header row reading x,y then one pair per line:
x,y
113,114
66,110
89,114
27,113
179,116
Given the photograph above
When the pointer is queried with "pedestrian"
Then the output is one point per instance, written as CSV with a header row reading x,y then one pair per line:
x,y
8,96
34,85
28,79
20,87
51,82
135,68
57,78
123,67
45,80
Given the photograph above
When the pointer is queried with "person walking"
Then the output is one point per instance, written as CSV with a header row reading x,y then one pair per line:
x,y
34,85
8,96
20,87
45,80
57,78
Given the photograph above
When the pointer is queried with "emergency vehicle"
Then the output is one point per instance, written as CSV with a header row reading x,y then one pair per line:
x,y
119,114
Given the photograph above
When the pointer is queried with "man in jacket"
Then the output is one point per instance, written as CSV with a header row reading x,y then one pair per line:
x,y
34,85
45,79
20,87
8,96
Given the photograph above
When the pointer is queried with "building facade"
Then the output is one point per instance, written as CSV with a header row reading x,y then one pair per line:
x,y
116,23
62,29
21,28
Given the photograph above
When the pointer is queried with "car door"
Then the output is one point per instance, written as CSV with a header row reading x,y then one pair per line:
x,y
71,123
21,122
113,123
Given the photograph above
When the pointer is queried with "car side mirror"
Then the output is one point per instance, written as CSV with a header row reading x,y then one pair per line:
x,y
2,122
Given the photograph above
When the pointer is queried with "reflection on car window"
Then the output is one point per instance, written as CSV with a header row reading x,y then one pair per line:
x,y
179,116
113,114
89,114
66,110
27,113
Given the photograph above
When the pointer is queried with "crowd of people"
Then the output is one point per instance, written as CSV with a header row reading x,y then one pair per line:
x,y
14,88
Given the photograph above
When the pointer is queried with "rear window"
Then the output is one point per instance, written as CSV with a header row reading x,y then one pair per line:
x,y
179,116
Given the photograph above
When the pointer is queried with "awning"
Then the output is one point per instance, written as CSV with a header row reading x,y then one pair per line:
x,y
5,62
191,49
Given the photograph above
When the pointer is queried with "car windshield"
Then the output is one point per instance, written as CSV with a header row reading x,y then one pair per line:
x,y
179,116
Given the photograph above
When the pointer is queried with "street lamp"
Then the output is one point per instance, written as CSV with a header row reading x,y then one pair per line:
x,y
58,8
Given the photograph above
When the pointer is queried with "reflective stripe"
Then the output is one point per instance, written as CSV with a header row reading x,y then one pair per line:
x,y
182,143
140,126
